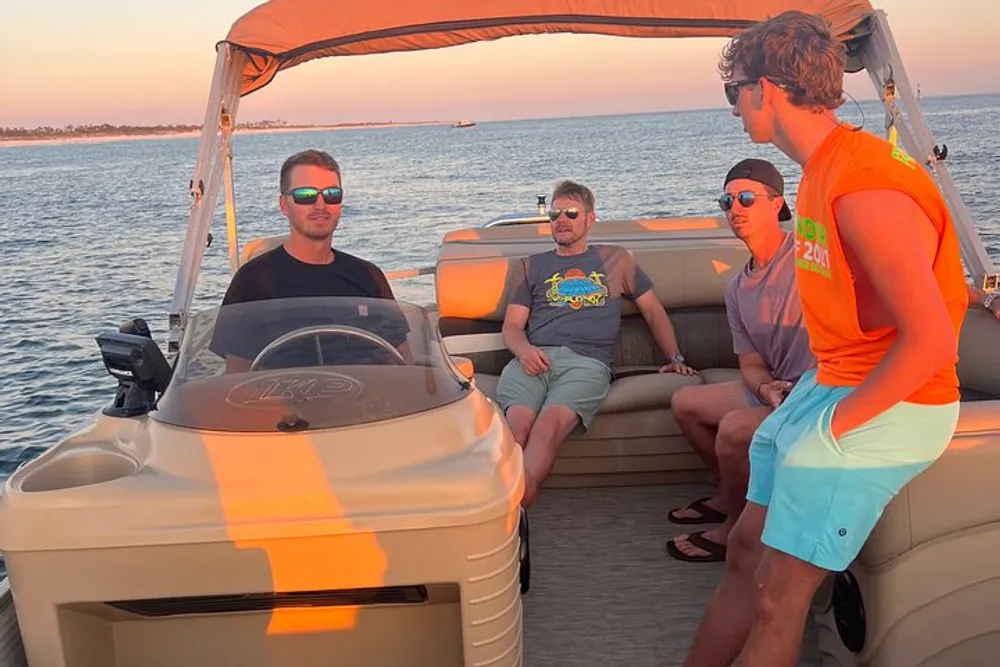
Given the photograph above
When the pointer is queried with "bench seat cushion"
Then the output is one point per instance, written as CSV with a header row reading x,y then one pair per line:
x,y
636,388
634,439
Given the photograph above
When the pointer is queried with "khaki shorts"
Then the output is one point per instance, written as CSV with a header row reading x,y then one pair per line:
x,y
578,382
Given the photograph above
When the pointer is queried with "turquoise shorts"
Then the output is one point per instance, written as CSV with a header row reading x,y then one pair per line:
x,y
825,495
573,380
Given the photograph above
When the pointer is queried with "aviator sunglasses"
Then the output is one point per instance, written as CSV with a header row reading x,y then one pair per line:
x,y
309,195
571,213
745,197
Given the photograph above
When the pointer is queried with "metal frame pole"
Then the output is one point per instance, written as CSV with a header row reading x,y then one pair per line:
x,y
204,186
228,123
885,67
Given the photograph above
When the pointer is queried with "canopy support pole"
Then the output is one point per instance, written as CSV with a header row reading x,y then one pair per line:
x,y
885,67
204,187
227,177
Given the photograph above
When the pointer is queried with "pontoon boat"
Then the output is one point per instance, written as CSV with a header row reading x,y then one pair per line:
x,y
326,508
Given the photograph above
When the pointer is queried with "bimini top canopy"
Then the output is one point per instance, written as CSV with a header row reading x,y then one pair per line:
x,y
283,33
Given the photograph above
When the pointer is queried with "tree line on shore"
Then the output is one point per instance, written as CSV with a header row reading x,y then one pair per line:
x,y
106,129
48,131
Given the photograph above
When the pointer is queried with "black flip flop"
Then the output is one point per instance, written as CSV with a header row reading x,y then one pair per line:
x,y
708,514
716,553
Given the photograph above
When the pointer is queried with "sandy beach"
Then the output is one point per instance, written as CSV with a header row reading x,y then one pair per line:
x,y
106,138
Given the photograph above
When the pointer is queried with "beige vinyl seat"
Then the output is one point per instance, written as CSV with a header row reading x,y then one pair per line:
x,y
925,589
634,437
258,246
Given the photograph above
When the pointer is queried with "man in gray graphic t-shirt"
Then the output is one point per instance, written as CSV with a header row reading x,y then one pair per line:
x,y
561,324
762,305
575,300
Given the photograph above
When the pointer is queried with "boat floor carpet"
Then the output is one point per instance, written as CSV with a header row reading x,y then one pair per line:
x,y
604,592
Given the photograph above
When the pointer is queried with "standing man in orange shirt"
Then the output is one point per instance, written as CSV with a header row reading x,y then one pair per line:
x,y
883,297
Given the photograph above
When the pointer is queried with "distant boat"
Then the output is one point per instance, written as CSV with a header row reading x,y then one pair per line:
x,y
464,123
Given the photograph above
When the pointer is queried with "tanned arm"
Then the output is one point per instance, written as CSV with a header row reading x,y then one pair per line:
x,y
236,364
662,329
894,243
754,371
977,297
532,359
760,381
406,351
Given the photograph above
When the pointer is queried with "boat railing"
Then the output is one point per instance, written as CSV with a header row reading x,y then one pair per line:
x,y
542,216
505,221
404,274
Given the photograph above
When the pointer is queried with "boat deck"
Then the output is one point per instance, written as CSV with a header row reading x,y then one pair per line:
x,y
603,590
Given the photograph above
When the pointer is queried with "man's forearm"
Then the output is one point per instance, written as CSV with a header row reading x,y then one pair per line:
x,y
515,339
663,332
906,367
976,296
235,364
754,375
406,351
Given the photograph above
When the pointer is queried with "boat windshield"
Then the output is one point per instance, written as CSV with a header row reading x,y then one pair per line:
x,y
308,363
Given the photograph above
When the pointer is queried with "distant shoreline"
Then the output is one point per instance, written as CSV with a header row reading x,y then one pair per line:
x,y
154,132
128,133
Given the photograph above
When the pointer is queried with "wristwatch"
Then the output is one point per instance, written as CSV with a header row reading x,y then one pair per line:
x,y
989,299
677,358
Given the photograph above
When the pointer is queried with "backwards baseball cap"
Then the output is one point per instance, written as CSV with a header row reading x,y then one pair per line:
x,y
764,172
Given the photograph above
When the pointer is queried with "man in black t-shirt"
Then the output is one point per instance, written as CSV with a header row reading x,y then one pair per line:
x,y
305,265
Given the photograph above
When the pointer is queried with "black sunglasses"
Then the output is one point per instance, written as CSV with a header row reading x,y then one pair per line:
x,y
732,88
571,213
745,197
309,195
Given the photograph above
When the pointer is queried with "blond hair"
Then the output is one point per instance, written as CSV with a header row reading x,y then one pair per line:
x,y
572,190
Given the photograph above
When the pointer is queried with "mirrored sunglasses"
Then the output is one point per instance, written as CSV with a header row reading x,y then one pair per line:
x,y
308,195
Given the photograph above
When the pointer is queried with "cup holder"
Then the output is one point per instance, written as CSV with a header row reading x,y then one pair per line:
x,y
80,468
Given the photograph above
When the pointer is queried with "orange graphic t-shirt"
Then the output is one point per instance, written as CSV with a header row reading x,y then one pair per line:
x,y
850,161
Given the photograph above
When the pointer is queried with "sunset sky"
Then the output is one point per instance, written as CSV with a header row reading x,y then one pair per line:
x,y
126,61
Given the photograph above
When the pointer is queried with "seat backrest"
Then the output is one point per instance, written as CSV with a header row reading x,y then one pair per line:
x,y
978,362
690,262
259,246
958,492
954,496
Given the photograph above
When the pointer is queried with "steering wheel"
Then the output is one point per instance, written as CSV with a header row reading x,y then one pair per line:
x,y
321,329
